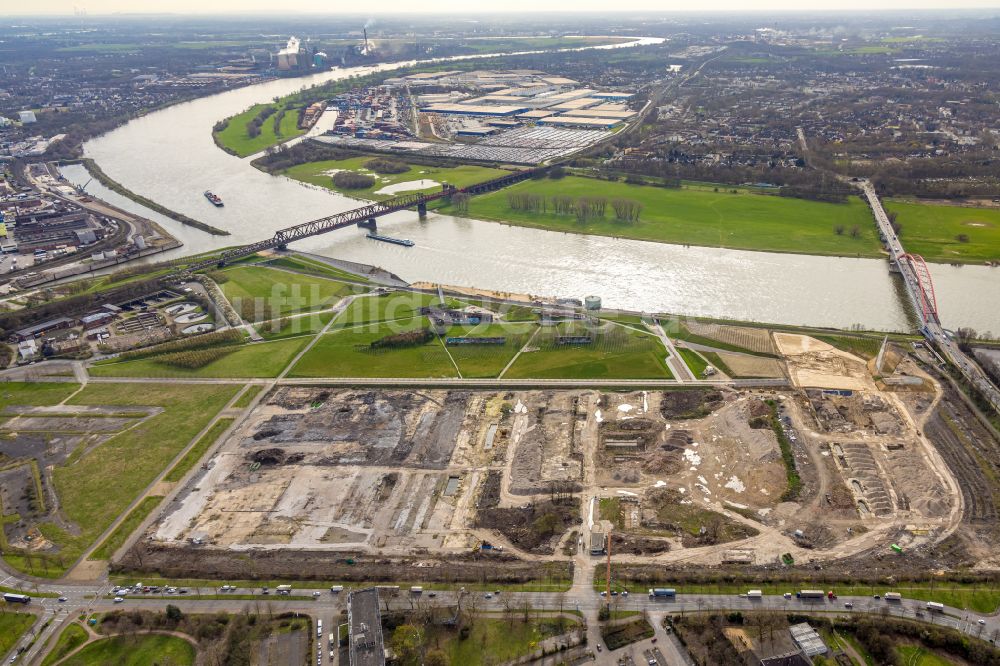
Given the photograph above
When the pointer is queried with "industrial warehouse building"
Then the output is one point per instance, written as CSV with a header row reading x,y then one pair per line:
x,y
528,95
576,121
476,110
601,112
617,96
509,116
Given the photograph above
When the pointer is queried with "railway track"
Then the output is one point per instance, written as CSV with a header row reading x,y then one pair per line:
x,y
960,456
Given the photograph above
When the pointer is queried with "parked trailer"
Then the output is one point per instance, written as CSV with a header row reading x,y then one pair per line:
x,y
755,594
892,596
810,594
662,592
12,598
935,606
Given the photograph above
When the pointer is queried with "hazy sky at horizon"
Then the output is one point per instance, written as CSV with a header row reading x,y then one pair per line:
x,y
94,7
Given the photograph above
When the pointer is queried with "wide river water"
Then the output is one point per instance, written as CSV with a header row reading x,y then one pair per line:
x,y
169,157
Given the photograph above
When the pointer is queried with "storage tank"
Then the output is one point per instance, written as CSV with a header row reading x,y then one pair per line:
x,y
592,302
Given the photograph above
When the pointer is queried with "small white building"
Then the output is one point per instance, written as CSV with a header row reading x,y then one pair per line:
x,y
27,117
27,350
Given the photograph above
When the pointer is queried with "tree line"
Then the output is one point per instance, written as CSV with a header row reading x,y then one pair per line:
x,y
278,117
253,126
585,209
349,180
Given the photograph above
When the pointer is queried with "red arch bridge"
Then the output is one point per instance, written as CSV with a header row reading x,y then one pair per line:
x,y
923,289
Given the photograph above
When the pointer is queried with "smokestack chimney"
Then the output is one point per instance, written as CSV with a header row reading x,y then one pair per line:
x,y
365,30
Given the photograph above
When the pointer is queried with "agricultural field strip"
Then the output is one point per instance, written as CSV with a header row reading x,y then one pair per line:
x,y
234,380
78,453
485,382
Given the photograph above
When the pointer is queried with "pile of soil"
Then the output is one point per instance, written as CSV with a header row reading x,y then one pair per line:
x,y
637,545
690,404
274,457
535,528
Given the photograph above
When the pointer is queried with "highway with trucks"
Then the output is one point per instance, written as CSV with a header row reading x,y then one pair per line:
x,y
324,604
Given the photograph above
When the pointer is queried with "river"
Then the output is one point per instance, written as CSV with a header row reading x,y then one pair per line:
x,y
169,157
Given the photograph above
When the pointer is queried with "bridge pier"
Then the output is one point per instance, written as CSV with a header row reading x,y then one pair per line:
x,y
368,224
422,210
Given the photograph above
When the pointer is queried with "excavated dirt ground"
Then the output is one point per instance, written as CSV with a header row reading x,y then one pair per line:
x,y
813,363
433,473
718,459
336,470
548,451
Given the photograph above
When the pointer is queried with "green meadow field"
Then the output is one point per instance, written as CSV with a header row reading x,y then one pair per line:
x,y
698,216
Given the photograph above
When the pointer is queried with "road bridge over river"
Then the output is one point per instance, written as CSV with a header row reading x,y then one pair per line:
x,y
920,289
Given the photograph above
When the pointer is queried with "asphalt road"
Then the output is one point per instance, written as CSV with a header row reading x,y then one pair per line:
x,y
327,606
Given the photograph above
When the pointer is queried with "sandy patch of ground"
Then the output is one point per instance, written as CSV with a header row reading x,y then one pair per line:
x,y
471,291
162,488
791,344
816,364
88,570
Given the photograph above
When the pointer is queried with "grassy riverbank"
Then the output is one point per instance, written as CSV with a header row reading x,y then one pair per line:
x,y
104,179
952,234
705,215
234,138
320,173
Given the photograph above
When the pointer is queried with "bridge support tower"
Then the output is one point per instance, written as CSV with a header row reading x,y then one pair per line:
x,y
368,224
422,210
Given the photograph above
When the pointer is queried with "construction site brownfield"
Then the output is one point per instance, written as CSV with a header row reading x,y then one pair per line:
x,y
449,484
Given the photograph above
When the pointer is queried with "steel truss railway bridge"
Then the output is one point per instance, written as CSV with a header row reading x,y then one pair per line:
x,y
363,216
